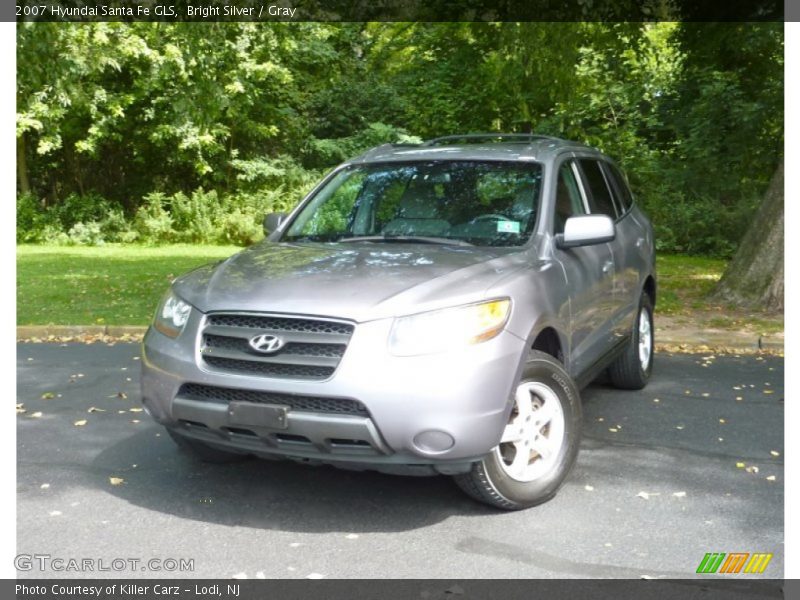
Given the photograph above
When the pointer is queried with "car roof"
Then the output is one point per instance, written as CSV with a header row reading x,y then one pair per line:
x,y
503,147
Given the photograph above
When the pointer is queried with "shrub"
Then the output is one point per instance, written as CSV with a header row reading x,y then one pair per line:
x,y
80,209
85,234
152,223
193,216
238,227
31,219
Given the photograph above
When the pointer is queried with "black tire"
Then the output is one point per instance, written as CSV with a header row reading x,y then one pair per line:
x,y
488,481
626,372
204,452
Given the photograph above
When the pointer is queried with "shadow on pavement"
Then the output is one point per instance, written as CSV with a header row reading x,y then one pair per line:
x,y
275,494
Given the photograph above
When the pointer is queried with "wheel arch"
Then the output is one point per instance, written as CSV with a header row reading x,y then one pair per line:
x,y
649,288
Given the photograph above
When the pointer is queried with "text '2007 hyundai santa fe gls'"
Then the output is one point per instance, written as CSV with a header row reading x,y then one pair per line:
x,y
426,309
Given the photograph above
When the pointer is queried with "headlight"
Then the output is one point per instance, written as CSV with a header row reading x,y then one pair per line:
x,y
441,330
172,315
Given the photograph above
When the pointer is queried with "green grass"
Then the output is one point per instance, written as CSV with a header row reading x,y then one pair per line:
x,y
684,282
121,285
105,285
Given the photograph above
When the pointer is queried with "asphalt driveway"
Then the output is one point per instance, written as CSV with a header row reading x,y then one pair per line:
x,y
693,464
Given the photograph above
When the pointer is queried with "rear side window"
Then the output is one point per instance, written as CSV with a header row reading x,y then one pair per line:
x,y
620,185
600,200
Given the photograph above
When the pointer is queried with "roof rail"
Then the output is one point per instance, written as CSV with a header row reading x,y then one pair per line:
x,y
520,137
388,146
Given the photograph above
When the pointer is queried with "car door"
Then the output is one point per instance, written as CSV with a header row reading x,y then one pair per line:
x,y
589,272
602,201
630,252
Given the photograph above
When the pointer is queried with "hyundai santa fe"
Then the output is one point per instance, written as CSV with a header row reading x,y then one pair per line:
x,y
426,309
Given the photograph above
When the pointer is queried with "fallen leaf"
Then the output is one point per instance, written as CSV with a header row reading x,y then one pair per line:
x,y
136,410
116,480
740,465
738,398
351,536
135,421
752,469
588,488
122,395
646,495
679,427
613,429
679,494
44,486
80,423
48,396
769,391
722,421
771,478
774,453
35,415
705,394
456,590
55,513
656,400
93,409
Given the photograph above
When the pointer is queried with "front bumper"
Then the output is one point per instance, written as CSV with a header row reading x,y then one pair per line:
x,y
435,413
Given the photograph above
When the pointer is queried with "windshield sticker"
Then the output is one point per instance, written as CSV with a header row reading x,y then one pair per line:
x,y
508,227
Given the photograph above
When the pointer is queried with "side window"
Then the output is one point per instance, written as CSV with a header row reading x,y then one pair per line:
x,y
620,185
569,202
600,201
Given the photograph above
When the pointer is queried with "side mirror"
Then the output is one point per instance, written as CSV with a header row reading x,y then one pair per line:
x,y
272,221
586,230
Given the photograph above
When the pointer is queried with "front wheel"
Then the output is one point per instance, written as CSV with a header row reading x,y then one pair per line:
x,y
539,444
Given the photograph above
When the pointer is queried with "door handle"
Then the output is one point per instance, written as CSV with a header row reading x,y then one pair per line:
x,y
607,266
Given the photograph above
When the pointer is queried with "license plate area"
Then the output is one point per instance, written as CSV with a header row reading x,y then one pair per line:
x,y
272,416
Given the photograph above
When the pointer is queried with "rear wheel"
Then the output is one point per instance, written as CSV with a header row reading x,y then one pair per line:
x,y
631,371
539,443
205,452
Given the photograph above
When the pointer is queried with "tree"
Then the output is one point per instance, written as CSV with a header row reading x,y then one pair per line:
x,y
754,278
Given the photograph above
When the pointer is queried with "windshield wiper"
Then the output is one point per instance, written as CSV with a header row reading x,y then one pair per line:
x,y
414,239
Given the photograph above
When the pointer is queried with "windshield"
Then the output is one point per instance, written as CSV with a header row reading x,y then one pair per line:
x,y
480,203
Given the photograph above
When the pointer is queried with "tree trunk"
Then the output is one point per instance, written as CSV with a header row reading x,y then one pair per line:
x,y
22,166
754,278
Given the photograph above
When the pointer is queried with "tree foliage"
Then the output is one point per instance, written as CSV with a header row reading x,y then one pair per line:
x,y
142,122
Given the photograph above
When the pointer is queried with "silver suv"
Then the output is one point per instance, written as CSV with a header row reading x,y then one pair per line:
x,y
426,309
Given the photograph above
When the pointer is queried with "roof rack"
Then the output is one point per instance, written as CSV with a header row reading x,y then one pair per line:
x,y
518,137
388,146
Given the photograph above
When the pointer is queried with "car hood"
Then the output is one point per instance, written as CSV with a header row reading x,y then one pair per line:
x,y
359,281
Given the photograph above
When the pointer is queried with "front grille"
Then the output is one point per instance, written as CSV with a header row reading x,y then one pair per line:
x,y
209,393
269,369
312,348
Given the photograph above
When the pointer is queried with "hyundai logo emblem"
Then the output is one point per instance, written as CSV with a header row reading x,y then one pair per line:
x,y
266,343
